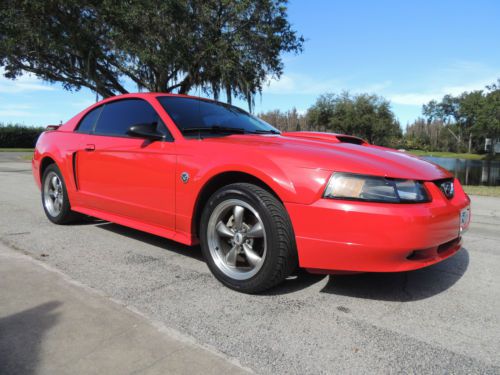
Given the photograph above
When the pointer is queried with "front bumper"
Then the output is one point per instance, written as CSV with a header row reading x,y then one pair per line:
x,y
336,235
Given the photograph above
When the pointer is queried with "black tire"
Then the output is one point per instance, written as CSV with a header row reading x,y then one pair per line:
x,y
65,216
281,254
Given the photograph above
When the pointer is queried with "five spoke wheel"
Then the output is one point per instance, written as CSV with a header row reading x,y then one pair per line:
x,y
237,239
53,194
247,238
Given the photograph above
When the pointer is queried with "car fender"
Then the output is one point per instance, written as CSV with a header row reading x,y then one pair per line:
x,y
289,183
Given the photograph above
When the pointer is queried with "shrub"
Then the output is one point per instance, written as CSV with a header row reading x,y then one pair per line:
x,y
19,136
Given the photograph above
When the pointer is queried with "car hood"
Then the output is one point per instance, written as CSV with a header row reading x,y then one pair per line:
x,y
332,152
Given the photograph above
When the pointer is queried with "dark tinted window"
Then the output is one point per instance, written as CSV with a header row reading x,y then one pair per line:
x,y
117,117
87,123
189,113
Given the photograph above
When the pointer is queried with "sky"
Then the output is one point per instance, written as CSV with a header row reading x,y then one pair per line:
x,y
409,52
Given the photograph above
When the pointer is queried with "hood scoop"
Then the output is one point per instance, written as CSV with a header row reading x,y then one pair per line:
x,y
328,137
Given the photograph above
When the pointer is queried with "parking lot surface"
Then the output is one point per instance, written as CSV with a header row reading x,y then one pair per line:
x,y
445,318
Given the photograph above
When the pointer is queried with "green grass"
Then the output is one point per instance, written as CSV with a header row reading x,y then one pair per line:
x,y
489,191
455,155
443,154
7,149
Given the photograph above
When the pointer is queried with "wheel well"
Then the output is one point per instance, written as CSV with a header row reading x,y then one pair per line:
x,y
46,161
218,181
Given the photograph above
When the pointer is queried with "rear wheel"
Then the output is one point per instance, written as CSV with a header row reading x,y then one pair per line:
x,y
55,197
247,238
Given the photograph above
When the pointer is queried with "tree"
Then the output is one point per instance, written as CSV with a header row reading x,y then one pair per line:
x,y
488,117
429,135
471,104
364,115
285,121
461,111
168,46
473,116
447,111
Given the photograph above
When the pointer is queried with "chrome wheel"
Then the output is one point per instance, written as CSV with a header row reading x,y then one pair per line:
x,y
53,196
237,239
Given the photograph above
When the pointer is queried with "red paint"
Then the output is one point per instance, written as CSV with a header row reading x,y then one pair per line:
x,y
137,184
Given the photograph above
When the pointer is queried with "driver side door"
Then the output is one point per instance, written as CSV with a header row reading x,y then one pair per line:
x,y
128,176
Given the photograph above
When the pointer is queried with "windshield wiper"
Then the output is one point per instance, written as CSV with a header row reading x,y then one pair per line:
x,y
215,129
262,131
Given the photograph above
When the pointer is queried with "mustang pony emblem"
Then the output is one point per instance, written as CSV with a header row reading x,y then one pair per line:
x,y
448,189
185,177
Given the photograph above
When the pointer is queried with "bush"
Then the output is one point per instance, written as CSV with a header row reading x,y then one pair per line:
x,y
19,136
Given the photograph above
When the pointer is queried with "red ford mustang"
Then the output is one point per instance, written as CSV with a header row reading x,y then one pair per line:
x,y
260,202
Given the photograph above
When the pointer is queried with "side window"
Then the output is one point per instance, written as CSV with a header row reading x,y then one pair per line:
x,y
87,123
117,117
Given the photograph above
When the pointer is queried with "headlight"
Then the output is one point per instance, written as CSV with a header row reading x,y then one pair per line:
x,y
375,189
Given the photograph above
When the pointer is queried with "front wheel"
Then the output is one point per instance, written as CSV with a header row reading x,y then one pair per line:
x,y
247,238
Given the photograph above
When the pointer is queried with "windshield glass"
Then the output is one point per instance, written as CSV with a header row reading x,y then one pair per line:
x,y
193,116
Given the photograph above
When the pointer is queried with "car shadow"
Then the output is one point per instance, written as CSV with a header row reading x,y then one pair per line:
x,y
401,286
301,279
151,239
85,220
397,286
21,337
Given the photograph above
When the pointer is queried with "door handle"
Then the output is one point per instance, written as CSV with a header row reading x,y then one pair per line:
x,y
89,147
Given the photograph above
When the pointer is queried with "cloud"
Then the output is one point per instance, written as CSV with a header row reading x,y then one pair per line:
x,y
413,98
25,83
82,104
16,110
374,87
23,111
454,78
420,98
296,84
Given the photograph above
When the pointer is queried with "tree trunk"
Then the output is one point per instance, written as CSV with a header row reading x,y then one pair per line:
x,y
229,94
470,142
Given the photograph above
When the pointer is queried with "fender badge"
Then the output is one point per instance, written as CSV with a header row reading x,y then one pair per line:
x,y
185,177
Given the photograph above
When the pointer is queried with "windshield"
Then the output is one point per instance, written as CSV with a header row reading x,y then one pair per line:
x,y
194,116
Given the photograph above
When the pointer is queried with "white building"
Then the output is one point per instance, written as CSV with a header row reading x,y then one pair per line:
x,y
488,144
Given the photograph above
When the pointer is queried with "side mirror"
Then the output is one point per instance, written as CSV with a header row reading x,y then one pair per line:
x,y
147,131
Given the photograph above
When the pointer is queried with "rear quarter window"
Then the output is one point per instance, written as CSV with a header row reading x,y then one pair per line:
x,y
87,123
117,117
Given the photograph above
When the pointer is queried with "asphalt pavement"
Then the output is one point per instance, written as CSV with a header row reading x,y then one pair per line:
x,y
445,318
